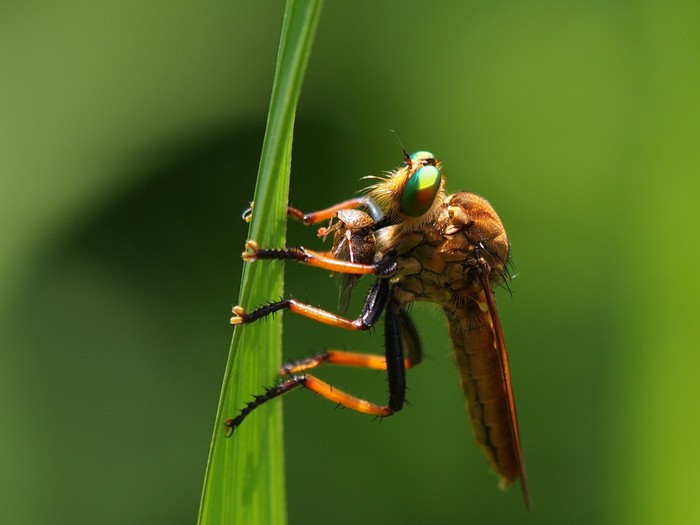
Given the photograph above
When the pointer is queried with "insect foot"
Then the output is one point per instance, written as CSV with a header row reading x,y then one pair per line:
x,y
240,316
251,251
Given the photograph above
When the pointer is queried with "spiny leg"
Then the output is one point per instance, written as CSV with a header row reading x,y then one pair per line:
x,y
399,332
315,217
315,385
327,213
395,369
375,302
409,341
385,267
353,359
338,358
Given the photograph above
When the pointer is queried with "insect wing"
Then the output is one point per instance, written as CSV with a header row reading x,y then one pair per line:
x,y
507,385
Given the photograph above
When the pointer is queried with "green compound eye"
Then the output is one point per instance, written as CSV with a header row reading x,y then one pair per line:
x,y
420,190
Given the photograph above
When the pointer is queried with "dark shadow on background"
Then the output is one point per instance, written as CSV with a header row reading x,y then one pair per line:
x,y
120,335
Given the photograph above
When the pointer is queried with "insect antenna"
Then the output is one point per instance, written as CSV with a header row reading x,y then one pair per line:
x,y
403,148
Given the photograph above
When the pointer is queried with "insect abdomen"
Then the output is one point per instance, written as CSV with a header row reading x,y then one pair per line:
x,y
477,359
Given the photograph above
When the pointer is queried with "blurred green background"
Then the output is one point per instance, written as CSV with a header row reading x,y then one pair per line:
x,y
129,139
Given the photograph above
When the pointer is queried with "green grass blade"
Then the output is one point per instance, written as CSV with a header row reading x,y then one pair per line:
x,y
244,481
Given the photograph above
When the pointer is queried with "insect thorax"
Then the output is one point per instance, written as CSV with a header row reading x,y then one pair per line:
x,y
441,262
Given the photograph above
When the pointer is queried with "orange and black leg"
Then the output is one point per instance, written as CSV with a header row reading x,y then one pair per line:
x,y
409,341
399,332
315,385
385,267
321,215
375,302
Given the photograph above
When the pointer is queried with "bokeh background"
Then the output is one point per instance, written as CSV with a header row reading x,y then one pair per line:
x,y
130,134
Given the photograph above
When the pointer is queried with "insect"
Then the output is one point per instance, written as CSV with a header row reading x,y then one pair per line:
x,y
421,245
353,241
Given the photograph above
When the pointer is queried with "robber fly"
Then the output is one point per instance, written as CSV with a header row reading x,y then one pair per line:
x,y
421,245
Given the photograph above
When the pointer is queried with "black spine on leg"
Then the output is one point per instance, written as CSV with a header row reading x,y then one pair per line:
x,y
395,365
266,310
270,393
282,254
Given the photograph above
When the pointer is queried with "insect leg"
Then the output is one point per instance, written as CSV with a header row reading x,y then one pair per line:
x,y
409,338
341,358
270,393
361,360
395,368
400,332
375,302
325,214
315,385
385,267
